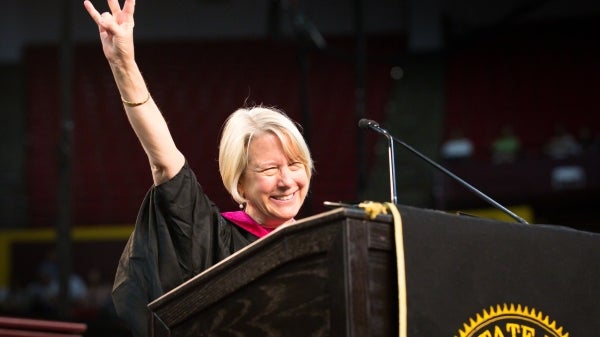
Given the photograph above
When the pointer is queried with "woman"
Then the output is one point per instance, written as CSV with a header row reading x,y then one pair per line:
x,y
263,161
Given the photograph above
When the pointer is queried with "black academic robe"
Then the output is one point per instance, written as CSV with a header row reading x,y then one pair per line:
x,y
179,232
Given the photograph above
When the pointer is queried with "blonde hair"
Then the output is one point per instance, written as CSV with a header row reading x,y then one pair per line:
x,y
238,131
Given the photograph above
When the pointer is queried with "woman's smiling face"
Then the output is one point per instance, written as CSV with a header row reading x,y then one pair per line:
x,y
274,185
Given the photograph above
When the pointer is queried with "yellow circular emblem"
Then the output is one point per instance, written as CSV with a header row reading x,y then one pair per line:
x,y
511,321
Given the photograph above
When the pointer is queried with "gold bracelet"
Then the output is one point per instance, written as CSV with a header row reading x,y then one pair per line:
x,y
134,104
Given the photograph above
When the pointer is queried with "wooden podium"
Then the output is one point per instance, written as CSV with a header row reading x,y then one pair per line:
x,y
334,274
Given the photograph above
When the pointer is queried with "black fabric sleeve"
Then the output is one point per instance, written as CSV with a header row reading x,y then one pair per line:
x,y
179,232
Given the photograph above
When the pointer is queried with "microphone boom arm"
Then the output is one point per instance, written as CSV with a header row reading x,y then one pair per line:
x,y
464,183
373,125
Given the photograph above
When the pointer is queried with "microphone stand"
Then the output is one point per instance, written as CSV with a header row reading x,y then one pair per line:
x,y
392,167
363,123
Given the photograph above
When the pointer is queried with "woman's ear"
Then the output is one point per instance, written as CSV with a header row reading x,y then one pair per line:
x,y
240,188
241,193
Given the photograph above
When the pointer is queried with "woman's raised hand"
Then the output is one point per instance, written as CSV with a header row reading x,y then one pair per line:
x,y
116,34
116,30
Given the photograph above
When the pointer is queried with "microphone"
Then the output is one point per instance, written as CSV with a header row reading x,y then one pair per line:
x,y
367,123
364,123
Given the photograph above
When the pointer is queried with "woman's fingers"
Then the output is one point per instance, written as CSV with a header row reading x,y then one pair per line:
x,y
122,15
93,12
105,21
115,28
129,7
114,6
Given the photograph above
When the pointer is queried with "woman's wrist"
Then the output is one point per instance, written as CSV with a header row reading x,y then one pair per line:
x,y
133,104
130,82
